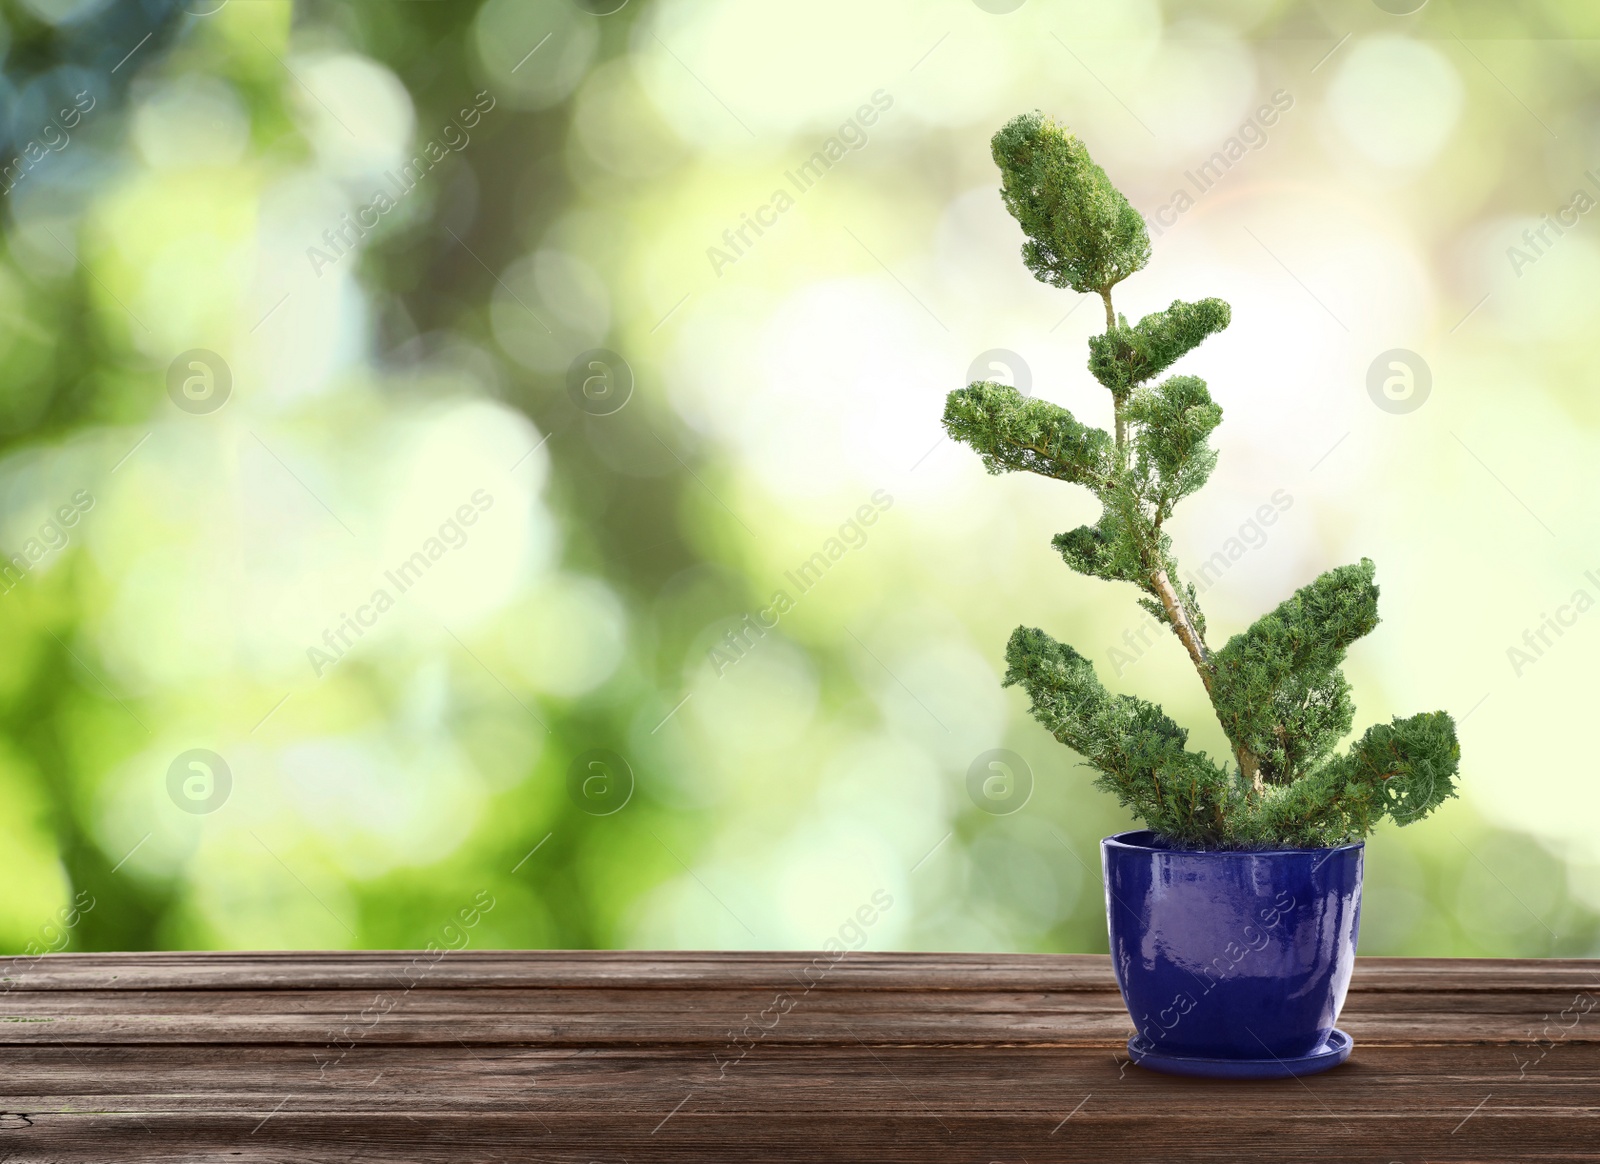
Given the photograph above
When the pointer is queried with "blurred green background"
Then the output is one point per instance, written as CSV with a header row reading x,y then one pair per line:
x,y
240,391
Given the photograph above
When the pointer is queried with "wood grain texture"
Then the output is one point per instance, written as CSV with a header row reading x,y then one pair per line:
x,y
636,1057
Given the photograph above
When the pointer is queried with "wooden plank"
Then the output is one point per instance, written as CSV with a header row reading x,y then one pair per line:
x,y
611,1017
480,969
629,1056
938,1103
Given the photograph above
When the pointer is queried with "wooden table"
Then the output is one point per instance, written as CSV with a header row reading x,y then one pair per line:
x,y
352,1057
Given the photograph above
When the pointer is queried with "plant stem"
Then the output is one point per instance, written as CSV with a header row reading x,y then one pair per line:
x,y
1172,601
1116,401
1250,767
1189,635
1178,615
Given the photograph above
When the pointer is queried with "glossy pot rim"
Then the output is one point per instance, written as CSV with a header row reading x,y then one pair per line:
x,y
1123,841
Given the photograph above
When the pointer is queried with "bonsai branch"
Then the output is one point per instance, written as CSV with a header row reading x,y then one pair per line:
x,y
1182,624
1117,400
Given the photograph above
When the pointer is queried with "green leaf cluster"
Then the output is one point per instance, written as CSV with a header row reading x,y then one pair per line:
x,y
1011,431
1082,233
1124,357
1276,687
1142,756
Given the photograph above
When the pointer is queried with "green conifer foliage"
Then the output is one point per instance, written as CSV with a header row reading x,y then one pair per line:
x,y
1125,357
1082,233
1276,687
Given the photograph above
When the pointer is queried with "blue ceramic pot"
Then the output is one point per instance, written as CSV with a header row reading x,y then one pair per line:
x,y
1232,955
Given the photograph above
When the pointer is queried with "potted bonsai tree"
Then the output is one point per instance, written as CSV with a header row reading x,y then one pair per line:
x,y
1233,915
